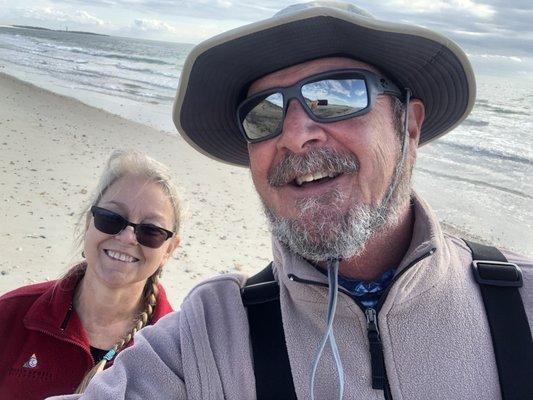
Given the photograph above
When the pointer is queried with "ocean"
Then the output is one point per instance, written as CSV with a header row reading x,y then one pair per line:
x,y
478,178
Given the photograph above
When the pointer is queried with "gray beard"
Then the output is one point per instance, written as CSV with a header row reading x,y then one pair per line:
x,y
323,232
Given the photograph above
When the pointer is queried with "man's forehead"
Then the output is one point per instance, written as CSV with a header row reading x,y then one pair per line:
x,y
290,75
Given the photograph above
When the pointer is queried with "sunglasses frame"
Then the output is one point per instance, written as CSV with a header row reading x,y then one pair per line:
x,y
375,86
95,210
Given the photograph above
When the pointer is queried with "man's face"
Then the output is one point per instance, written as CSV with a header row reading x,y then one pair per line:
x,y
365,149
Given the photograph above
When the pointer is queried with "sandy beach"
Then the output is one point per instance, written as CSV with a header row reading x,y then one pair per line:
x,y
54,148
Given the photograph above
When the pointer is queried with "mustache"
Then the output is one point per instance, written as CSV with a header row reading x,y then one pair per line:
x,y
316,160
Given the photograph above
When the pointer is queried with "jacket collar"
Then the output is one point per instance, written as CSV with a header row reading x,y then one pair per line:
x,y
426,245
53,312
427,234
162,307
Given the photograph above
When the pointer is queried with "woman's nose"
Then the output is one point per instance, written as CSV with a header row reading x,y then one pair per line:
x,y
127,235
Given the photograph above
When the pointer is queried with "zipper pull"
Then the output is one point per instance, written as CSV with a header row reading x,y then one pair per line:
x,y
67,318
372,321
376,349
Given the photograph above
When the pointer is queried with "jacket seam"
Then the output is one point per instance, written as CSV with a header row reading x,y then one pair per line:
x,y
201,367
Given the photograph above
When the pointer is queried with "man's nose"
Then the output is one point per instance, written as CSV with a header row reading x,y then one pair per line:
x,y
127,235
300,132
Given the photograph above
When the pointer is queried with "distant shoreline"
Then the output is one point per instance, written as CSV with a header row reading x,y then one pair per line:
x,y
56,30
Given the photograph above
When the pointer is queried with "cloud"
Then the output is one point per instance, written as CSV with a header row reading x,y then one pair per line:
x,y
497,57
499,65
463,7
153,25
224,3
50,14
479,26
493,25
243,10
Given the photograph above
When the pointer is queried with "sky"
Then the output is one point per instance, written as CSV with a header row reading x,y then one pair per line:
x,y
496,34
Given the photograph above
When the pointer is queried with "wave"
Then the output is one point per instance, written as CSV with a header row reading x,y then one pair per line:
x,y
136,58
116,89
129,68
72,60
147,70
498,110
487,152
475,182
106,54
474,122
44,49
101,74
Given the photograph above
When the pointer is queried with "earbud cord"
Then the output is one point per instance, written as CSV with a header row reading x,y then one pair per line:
x,y
333,270
403,153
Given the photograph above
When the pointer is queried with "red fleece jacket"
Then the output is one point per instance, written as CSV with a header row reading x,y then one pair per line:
x,y
44,349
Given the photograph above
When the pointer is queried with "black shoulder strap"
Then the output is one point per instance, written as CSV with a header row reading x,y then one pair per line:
x,y
273,377
499,281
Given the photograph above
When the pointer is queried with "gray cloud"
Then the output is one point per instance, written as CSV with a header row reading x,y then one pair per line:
x,y
495,27
508,29
211,9
507,24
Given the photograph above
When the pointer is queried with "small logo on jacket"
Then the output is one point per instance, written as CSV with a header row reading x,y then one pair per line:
x,y
31,363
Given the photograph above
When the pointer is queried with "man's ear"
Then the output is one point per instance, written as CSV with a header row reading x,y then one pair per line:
x,y
417,111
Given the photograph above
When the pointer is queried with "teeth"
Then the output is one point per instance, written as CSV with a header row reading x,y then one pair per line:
x,y
313,177
120,256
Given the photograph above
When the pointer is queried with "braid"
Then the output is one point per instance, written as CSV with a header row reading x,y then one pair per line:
x,y
151,292
150,299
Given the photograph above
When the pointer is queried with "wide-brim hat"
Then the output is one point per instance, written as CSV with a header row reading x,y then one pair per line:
x,y
218,72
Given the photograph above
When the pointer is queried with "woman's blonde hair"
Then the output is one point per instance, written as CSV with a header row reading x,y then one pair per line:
x,y
129,162
122,163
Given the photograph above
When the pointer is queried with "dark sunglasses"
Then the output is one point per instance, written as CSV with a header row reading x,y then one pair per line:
x,y
326,97
112,223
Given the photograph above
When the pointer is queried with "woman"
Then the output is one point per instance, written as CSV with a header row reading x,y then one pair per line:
x,y
54,336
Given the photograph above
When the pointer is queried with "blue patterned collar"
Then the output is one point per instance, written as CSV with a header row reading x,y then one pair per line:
x,y
368,293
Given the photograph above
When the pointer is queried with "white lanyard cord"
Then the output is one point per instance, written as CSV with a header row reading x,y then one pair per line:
x,y
333,270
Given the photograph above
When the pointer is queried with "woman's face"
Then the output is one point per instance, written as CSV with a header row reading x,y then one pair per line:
x,y
119,261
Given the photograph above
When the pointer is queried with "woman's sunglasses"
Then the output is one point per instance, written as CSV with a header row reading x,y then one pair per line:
x,y
112,223
326,97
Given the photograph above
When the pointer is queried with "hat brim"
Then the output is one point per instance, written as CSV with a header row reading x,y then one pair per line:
x,y
218,72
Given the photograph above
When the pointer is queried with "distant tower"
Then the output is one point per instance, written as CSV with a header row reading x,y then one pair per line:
x,y
66,28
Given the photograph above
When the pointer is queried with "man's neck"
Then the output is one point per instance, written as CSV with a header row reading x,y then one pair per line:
x,y
382,252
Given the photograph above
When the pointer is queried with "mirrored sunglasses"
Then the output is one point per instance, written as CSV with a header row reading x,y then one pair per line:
x,y
326,97
112,223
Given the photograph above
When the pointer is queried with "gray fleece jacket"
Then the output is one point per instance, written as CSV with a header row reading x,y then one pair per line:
x,y
435,334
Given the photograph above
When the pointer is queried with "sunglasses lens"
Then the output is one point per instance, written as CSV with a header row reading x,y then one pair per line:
x,y
151,236
111,223
108,222
332,98
262,116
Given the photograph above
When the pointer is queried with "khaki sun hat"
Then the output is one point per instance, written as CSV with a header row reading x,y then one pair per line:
x,y
218,72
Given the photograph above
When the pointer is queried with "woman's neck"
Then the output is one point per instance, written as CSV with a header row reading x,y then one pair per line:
x,y
106,314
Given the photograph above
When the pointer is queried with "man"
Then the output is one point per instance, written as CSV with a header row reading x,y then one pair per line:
x,y
327,106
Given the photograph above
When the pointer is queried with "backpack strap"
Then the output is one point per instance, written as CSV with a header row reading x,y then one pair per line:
x,y
272,370
499,281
